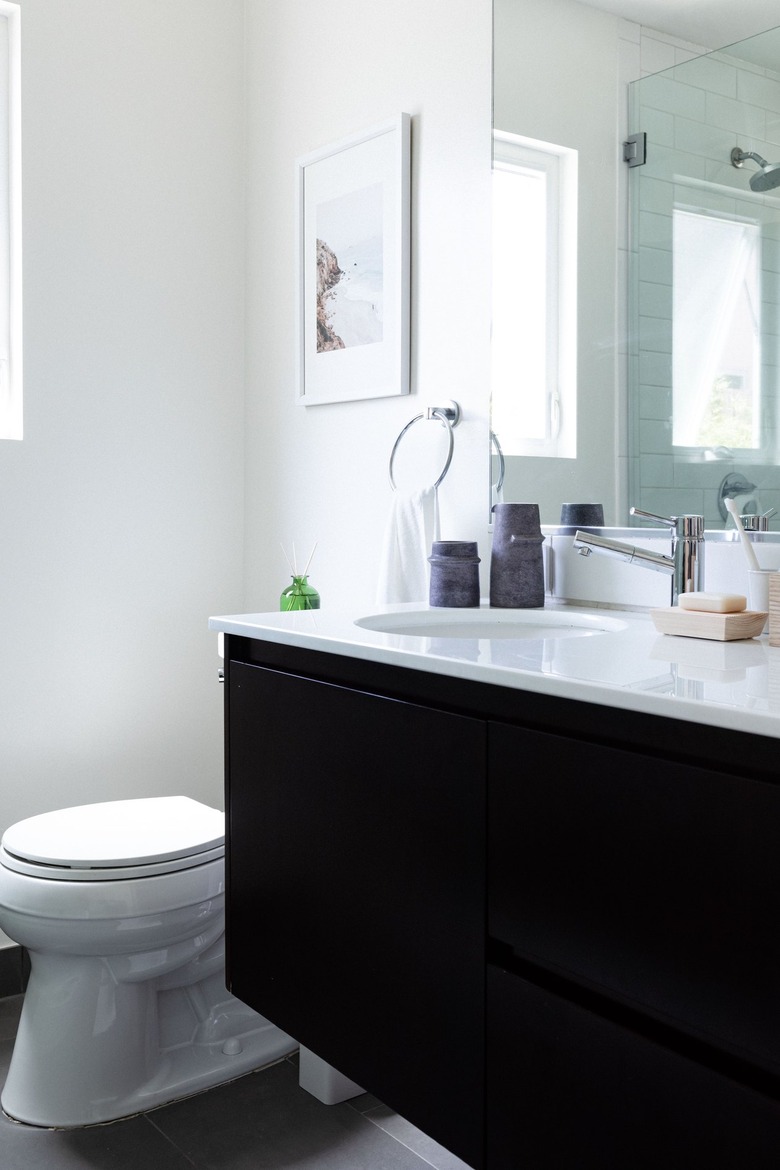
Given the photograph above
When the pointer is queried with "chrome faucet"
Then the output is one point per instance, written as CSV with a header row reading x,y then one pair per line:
x,y
685,564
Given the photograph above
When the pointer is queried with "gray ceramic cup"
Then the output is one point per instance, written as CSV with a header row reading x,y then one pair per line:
x,y
454,574
578,514
574,516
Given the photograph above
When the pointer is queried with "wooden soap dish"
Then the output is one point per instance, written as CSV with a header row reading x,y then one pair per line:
x,y
718,627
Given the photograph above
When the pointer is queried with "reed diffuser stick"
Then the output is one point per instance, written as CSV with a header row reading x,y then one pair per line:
x,y
292,570
311,554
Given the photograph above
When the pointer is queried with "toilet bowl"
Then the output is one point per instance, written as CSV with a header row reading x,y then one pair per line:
x,y
121,907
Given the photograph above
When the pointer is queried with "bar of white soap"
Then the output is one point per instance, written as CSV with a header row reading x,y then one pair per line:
x,y
713,602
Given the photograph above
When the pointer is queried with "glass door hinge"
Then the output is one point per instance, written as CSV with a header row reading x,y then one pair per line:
x,y
635,150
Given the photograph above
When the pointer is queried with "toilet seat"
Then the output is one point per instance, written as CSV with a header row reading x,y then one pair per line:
x,y
115,840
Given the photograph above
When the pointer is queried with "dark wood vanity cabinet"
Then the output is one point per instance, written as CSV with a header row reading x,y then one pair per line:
x,y
546,933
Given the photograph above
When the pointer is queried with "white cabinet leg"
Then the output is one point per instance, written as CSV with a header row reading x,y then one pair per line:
x,y
323,1081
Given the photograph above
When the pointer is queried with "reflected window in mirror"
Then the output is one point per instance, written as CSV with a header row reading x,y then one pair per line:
x,y
534,331
716,323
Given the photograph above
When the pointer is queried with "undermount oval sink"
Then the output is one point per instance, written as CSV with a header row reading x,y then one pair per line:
x,y
490,623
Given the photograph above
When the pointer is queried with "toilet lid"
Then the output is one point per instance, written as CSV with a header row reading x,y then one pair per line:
x,y
119,833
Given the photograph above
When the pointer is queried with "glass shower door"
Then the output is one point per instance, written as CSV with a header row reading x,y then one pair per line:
x,y
704,295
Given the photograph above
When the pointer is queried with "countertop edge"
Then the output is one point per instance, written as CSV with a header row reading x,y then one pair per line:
x,y
301,630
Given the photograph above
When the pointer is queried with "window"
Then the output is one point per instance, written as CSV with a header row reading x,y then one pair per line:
x,y
10,224
716,373
534,326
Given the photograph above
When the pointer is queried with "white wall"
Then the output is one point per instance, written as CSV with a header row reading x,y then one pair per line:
x,y
317,73
122,518
121,510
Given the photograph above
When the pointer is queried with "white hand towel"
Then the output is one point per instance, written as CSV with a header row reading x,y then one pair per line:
x,y
412,527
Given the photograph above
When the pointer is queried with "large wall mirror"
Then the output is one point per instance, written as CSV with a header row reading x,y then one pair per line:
x,y
636,312
555,358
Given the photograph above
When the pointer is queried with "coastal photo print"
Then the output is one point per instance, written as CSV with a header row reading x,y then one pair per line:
x,y
353,263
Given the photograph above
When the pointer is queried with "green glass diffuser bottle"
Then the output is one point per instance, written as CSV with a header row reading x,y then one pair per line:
x,y
299,595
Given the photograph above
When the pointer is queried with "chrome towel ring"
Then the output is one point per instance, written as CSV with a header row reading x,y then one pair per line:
x,y
497,486
449,416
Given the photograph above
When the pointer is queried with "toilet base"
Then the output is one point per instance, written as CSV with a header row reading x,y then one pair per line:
x,y
90,1050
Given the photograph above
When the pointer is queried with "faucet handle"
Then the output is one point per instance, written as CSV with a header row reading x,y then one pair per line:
x,y
689,526
670,521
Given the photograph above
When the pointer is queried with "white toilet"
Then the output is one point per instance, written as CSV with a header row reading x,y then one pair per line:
x,y
121,906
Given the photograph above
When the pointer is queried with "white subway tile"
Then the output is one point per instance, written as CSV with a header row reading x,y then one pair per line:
x,y
759,91
712,75
656,55
738,117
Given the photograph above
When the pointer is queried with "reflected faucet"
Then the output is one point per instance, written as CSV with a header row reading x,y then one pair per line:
x,y
685,564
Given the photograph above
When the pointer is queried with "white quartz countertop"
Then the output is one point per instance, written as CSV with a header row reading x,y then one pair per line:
x,y
626,666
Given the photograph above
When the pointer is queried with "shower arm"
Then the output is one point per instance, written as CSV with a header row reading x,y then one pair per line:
x,y
738,157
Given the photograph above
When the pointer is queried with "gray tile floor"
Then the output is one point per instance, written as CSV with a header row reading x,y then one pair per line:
x,y
263,1121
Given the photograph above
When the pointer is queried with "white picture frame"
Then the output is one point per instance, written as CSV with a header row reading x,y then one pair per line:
x,y
353,251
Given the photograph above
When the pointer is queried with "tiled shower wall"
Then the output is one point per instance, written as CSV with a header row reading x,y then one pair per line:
x,y
693,112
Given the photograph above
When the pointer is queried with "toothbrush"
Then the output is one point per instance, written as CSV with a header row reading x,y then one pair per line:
x,y
747,544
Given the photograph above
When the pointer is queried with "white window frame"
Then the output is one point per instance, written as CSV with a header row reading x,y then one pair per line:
x,y
558,164
11,419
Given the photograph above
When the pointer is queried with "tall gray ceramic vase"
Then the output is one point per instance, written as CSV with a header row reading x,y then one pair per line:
x,y
516,567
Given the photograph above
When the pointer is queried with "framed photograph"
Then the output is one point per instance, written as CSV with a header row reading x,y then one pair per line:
x,y
353,267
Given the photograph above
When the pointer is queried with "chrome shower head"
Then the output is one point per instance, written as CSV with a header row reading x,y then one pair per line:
x,y
767,178
764,180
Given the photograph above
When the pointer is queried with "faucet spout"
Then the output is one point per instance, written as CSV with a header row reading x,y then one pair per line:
x,y
685,564
588,542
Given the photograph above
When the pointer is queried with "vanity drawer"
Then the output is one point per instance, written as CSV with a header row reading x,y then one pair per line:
x,y
649,879
568,1088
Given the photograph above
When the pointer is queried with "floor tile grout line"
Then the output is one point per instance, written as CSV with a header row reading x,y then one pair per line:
x,y
416,1153
400,1141
148,1117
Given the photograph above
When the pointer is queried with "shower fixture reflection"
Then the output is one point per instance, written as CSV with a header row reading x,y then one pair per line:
x,y
764,180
